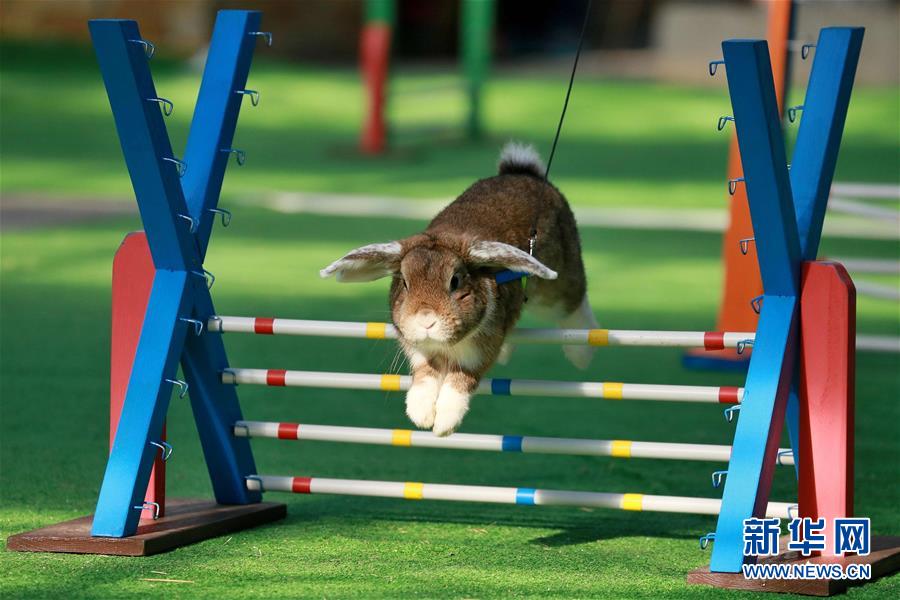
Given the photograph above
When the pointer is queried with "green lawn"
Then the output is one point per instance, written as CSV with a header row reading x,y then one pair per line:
x,y
54,389
624,143
648,145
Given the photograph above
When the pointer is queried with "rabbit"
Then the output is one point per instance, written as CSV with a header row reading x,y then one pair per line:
x,y
451,313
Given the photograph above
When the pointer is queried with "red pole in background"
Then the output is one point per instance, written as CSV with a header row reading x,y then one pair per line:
x,y
374,61
132,278
742,282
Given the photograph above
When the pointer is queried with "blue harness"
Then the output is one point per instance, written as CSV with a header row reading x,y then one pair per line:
x,y
506,276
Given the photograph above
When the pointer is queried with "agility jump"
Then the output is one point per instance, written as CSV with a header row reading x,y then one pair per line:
x,y
178,201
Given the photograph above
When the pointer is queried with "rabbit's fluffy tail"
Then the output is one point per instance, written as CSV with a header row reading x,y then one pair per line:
x,y
520,159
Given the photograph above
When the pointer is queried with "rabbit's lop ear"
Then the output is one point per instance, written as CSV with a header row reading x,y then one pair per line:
x,y
367,263
498,254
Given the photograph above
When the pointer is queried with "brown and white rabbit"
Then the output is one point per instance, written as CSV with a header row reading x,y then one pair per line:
x,y
451,313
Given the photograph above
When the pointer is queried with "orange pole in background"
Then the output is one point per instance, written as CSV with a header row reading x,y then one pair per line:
x,y
742,281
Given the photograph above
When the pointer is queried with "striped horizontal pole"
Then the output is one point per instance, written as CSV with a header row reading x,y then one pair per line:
x,y
499,495
496,387
490,443
710,340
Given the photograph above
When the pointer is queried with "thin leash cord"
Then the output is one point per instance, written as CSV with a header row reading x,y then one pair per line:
x,y
562,116
532,238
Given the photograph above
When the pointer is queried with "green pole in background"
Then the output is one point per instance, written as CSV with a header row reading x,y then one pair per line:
x,y
476,28
381,11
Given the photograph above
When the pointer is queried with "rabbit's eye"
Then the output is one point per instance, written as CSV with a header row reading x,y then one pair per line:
x,y
454,283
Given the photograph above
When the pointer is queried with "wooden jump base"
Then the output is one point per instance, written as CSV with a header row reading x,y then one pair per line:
x,y
186,522
709,340
495,387
491,443
498,495
884,559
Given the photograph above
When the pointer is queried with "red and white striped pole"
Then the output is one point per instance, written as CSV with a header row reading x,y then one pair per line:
x,y
606,390
709,340
410,490
527,444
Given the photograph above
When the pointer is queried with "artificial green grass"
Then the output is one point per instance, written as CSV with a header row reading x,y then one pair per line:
x,y
625,143
54,339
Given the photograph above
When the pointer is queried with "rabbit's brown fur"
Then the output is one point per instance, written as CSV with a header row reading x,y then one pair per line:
x,y
451,313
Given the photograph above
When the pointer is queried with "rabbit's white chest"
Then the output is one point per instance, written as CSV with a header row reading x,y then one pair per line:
x,y
466,353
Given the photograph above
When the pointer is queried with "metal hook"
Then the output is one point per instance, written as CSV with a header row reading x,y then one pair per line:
x,y
732,185
745,244
180,165
181,384
717,477
265,34
756,304
804,50
781,453
257,479
226,215
792,112
147,505
166,448
723,121
209,277
254,95
198,325
167,106
742,345
239,155
791,510
713,64
730,411
149,48
706,539
191,220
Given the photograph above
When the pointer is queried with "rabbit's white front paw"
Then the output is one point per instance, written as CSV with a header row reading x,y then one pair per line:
x,y
506,351
452,406
580,356
420,402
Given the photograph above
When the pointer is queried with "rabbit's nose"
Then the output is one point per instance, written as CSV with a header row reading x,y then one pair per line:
x,y
426,319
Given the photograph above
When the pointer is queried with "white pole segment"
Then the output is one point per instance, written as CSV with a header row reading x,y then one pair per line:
x,y
232,324
876,290
887,191
878,343
491,443
500,495
595,337
880,266
516,387
862,209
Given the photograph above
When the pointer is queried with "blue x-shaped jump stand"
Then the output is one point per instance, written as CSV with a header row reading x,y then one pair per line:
x,y
788,210
178,205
